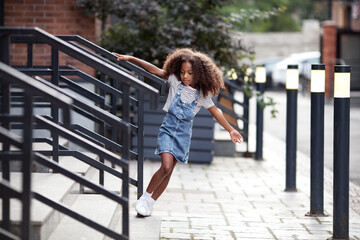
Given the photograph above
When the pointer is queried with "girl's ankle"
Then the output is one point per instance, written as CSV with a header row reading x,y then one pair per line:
x,y
147,195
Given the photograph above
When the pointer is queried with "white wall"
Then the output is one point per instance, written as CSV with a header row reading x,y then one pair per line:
x,y
281,44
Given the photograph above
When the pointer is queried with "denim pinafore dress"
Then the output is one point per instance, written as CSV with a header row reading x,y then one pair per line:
x,y
175,132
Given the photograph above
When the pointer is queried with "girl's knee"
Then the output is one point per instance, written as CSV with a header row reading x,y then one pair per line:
x,y
168,163
166,169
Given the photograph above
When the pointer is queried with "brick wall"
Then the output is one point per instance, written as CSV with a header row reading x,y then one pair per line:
x,y
54,16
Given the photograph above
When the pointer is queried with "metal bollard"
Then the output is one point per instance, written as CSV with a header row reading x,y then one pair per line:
x,y
260,79
341,152
317,141
292,85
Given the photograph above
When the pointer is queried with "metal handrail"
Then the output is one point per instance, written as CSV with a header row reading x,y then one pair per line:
x,y
36,35
97,49
83,56
61,71
10,76
76,38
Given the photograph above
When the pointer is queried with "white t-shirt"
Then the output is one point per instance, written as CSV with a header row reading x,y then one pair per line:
x,y
188,95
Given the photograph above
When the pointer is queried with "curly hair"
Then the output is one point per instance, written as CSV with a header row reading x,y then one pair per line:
x,y
206,74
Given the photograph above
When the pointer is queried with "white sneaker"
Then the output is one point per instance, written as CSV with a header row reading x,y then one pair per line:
x,y
142,207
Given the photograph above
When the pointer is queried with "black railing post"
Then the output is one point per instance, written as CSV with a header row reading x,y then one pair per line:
x,y
248,79
102,128
29,55
5,110
2,11
55,109
140,141
260,79
292,85
5,48
341,152
114,107
126,155
5,58
246,124
317,141
27,165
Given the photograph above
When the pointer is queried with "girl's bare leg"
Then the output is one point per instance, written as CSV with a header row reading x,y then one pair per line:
x,y
161,188
162,176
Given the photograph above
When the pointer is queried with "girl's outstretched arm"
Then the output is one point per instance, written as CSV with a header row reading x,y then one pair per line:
x,y
219,117
141,63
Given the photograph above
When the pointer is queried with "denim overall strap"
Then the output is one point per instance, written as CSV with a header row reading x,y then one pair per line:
x,y
180,86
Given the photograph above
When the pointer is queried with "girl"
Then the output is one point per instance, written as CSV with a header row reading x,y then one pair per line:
x,y
193,78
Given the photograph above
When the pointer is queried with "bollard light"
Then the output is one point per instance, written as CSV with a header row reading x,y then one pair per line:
x,y
292,85
317,78
260,74
341,152
317,88
342,81
260,79
292,77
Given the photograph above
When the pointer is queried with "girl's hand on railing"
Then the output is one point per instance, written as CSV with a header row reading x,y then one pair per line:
x,y
122,57
236,136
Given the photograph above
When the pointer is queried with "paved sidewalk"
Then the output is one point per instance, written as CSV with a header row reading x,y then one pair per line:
x,y
240,198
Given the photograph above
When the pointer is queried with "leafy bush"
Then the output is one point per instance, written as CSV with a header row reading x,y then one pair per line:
x,y
150,29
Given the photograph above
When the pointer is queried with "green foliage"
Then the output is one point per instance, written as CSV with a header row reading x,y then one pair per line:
x,y
102,8
287,19
264,102
150,29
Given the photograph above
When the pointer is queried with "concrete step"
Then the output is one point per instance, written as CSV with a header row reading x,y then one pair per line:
x,y
75,165
44,219
54,186
111,182
93,206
